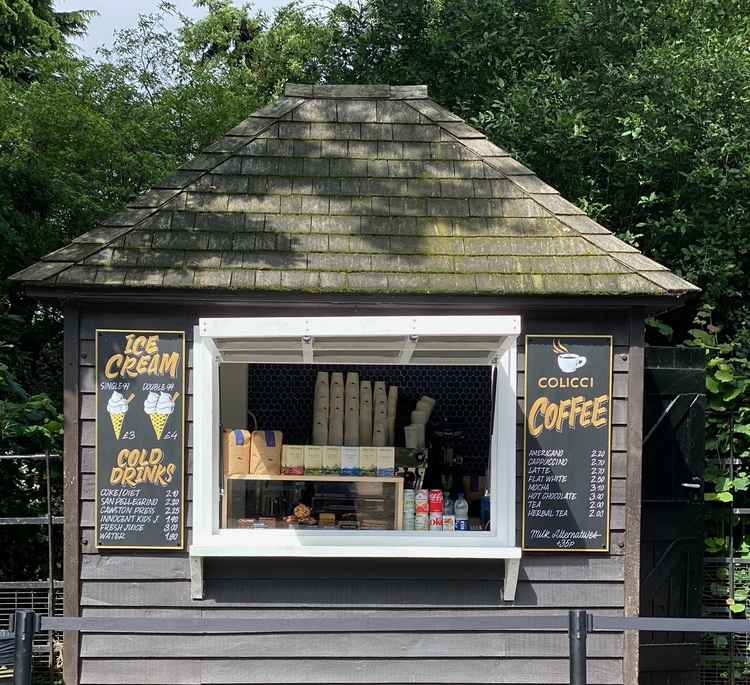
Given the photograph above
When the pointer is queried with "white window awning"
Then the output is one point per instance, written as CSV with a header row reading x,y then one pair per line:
x,y
425,340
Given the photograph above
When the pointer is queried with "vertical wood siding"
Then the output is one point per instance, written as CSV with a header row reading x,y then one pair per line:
x,y
127,583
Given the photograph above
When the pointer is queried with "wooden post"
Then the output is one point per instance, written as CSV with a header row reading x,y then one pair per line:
x,y
71,490
577,628
24,627
50,570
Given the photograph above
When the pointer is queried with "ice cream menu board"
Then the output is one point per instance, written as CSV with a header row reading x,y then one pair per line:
x,y
567,443
140,393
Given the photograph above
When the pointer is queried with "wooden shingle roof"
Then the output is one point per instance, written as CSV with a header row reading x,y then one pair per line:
x,y
355,189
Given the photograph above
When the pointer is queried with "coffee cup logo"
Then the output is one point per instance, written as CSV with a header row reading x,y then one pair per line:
x,y
567,361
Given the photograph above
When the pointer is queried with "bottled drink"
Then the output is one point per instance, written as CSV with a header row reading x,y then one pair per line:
x,y
447,503
461,507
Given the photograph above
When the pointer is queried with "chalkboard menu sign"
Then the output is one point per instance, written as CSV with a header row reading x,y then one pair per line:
x,y
567,443
140,392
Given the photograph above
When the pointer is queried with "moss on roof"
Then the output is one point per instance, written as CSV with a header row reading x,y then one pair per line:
x,y
359,189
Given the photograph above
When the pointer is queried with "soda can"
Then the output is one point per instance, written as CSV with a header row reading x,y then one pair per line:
x,y
436,520
421,502
449,522
436,501
422,522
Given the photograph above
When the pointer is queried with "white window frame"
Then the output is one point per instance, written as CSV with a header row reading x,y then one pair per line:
x,y
211,540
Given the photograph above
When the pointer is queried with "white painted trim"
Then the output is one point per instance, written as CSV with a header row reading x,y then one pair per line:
x,y
307,349
360,326
504,446
510,581
196,577
410,344
206,444
382,551
210,540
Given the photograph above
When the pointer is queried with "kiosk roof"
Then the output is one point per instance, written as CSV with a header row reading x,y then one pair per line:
x,y
355,189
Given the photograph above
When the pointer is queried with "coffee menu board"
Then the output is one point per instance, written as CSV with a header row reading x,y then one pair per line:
x,y
567,443
140,399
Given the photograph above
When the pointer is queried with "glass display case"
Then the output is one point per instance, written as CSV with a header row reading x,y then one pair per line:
x,y
316,502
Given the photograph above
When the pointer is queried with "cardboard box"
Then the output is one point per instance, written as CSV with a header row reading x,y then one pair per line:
x,y
386,461
313,460
293,460
332,460
235,449
368,461
350,461
265,453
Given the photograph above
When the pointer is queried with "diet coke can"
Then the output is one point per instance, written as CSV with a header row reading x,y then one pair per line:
x,y
436,501
436,520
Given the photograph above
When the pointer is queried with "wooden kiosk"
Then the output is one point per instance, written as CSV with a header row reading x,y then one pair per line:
x,y
341,227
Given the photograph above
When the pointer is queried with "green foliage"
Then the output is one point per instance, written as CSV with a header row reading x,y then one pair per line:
x,y
642,115
31,29
28,424
728,408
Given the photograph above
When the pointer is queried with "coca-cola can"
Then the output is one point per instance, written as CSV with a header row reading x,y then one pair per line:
x,y
436,501
436,520
421,502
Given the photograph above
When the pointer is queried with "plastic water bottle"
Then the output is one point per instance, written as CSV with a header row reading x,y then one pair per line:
x,y
461,507
447,503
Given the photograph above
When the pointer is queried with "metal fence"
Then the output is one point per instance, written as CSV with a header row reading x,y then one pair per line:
x,y
725,658
578,623
34,596
41,597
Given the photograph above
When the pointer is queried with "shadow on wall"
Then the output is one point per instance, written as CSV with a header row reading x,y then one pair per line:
x,y
328,583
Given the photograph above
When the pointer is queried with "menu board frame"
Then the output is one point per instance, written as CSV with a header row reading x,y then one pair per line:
x,y
180,458
552,338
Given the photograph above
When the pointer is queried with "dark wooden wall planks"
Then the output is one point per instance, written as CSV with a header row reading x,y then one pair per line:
x,y
135,583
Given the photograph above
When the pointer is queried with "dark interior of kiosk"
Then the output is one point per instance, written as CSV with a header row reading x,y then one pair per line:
x,y
453,459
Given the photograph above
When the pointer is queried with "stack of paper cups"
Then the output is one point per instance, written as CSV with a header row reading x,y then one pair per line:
x,y
336,411
392,404
320,409
351,417
426,404
365,414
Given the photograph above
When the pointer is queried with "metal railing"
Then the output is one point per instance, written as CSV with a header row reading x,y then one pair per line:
x,y
48,520
578,624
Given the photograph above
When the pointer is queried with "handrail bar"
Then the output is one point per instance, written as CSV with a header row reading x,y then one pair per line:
x,y
578,624
395,624
672,625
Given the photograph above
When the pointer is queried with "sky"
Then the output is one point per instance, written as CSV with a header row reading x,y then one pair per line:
x,y
118,14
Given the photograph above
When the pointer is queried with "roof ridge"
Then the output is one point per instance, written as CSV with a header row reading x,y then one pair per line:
x,y
279,110
451,127
355,90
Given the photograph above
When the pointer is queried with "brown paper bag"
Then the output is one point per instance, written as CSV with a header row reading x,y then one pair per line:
x,y
265,453
236,452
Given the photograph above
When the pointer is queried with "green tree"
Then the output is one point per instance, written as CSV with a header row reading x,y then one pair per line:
x,y
31,29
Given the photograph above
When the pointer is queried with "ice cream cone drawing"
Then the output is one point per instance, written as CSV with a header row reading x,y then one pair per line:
x,y
117,406
159,406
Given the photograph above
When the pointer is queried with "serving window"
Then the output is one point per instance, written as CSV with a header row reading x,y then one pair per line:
x,y
366,436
